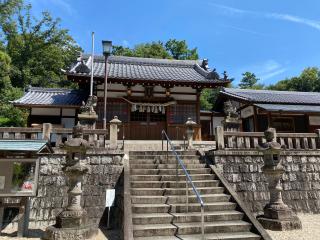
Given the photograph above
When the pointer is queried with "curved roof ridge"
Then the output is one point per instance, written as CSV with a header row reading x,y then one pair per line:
x,y
143,60
268,91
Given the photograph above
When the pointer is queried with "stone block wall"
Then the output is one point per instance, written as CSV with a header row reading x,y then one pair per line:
x,y
104,172
300,182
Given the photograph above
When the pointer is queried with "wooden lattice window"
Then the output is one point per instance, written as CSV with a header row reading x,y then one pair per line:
x,y
114,108
179,113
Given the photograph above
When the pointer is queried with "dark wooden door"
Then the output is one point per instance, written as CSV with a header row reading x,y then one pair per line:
x,y
147,126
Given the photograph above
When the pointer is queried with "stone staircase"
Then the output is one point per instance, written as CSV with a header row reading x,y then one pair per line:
x,y
159,203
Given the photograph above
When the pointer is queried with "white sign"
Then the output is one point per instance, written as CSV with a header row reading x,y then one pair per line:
x,y
110,196
314,120
2,182
247,112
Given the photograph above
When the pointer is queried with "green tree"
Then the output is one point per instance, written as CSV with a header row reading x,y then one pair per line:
x,y
180,50
9,115
39,49
172,49
250,81
307,81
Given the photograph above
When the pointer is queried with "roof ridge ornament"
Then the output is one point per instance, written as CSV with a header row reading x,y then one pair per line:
x,y
213,75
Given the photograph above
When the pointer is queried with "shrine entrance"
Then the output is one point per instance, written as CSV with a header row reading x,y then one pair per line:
x,y
147,125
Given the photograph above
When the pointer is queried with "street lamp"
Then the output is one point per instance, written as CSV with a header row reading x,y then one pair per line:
x,y
106,49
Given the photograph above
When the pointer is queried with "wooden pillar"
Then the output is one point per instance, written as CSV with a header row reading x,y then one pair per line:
x,y
269,120
198,106
255,120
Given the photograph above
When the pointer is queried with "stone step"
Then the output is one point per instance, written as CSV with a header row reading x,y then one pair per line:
x,y
133,153
181,208
171,177
210,236
148,230
174,191
164,161
159,218
219,236
174,184
179,199
154,230
166,166
195,207
169,171
134,158
213,227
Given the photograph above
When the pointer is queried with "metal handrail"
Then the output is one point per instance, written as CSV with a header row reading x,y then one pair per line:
x,y
188,179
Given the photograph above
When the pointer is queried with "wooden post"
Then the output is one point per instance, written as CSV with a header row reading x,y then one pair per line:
x,y
318,139
46,131
1,216
219,137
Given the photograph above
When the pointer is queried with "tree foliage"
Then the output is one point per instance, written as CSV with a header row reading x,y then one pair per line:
x,y
250,81
32,52
9,115
172,49
39,49
307,81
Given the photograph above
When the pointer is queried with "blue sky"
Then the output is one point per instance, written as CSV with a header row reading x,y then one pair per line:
x,y
274,39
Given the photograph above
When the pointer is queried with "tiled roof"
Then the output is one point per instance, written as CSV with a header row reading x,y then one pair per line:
x,y
288,108
51,97
134,68
268,96
23,145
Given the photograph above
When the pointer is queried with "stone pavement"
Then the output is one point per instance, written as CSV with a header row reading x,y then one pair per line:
x,y
35,234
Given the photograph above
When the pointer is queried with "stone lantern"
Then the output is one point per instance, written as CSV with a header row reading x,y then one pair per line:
x,y
87,115
277,215
190,131
72,223
114,123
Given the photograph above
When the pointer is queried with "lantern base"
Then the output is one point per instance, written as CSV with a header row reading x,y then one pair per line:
x,y
293,223
80,233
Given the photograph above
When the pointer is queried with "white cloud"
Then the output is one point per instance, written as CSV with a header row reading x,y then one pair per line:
x,y
62,4
277,16
265,70
295,19
125,43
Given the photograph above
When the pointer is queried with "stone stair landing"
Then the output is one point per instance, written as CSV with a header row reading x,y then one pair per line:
x,y
158,201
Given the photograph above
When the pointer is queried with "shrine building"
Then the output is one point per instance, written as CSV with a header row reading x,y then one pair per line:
x,y
148,95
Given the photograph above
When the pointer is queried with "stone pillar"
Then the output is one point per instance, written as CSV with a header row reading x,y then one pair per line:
x,y
114,132
219,137
87,116
277,215
46,131
231,122
189,132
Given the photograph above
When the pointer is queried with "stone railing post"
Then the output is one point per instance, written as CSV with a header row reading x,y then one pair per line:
x,y
219,137
114,132
46,131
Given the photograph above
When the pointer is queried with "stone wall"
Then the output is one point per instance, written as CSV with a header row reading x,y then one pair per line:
x,y
104,172
301,180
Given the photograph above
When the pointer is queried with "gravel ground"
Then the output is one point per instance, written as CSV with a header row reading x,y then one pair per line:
x,y
310,231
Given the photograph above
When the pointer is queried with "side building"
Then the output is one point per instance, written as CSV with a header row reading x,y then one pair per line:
x,y
287,111
148,95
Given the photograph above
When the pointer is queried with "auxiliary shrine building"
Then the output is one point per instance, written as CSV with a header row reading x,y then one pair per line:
x,y
148,95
